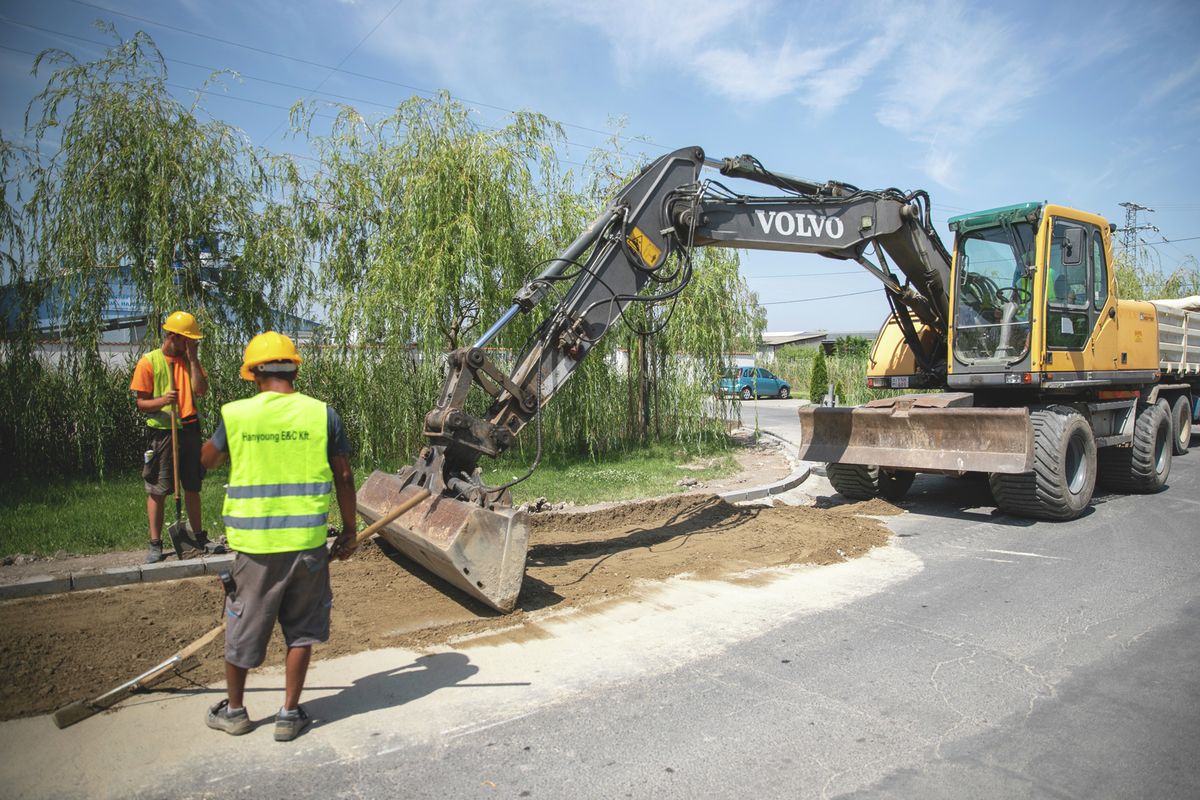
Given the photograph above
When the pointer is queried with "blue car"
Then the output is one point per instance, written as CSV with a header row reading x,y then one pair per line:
x,y
751,382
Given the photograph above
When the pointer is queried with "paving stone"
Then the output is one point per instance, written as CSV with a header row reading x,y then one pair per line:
x,y
99,578
172,570
35,585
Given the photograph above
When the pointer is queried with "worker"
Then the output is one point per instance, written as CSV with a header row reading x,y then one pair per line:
x,y
178,360
285,451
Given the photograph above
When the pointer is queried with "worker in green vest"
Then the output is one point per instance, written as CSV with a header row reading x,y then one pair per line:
x,y
175,364
286,452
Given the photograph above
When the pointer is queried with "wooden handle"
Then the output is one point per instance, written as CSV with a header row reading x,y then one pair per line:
x,y
201,643
378,525
174,437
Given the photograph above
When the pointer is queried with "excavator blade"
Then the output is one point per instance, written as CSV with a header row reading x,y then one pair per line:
x,y
480,552
935,433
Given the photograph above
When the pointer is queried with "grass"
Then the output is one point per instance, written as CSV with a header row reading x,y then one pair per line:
x,y
88,516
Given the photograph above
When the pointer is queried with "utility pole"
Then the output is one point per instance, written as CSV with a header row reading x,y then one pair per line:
x,y
1129,238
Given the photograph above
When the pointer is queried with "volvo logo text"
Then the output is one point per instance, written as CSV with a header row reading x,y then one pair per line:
x,y
798,224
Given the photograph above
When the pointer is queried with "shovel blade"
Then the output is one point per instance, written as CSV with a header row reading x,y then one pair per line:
x,y
183,541
477,550
932,435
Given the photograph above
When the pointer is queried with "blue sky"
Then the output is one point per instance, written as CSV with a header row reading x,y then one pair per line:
x,y
1089,104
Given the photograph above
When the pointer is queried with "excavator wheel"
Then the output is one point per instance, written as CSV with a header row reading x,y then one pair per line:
x,y
1143,466
861,482
1181,425
1063,478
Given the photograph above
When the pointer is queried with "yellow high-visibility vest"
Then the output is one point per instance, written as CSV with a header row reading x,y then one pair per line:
x,y
277,500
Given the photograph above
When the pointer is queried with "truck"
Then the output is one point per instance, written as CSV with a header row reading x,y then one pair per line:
x,y
1035,372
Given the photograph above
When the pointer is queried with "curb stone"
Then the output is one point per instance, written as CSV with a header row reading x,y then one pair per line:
x,y
35,585
799,476
168,570
99,579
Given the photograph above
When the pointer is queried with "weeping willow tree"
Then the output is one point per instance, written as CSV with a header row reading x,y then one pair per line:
x,y
423,226
126,185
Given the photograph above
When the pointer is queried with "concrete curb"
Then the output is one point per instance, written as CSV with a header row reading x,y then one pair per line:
x,y
799,476
84,580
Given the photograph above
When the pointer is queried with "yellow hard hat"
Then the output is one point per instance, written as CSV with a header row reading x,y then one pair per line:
x,y
267,347
184,324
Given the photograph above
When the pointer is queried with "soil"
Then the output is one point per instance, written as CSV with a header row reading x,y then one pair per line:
x,y
68,647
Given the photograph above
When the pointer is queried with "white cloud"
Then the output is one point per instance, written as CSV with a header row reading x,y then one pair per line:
x,y
1185,76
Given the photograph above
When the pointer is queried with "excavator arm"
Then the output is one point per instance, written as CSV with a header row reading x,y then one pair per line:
x,y
637,250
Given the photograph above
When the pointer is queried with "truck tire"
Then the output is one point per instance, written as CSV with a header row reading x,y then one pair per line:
x,y
1143,466
1063,479
860,482
1181,424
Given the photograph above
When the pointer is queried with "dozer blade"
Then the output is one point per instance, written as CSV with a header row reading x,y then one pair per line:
x,y
937,433
479,551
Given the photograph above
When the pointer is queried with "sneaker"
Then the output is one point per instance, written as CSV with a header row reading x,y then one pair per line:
x,y
235,723
154,553
289,724
202,539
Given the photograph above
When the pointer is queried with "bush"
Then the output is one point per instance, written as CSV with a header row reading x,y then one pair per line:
x,y
818,381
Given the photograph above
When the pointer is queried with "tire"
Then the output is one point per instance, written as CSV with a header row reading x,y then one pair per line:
x,y
1063,479
1143,466
784,393
747,394
1181,425
860,482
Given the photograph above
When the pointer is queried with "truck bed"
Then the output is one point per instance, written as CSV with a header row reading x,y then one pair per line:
x,y
1179,336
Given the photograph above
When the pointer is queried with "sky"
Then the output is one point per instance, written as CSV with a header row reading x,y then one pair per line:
x,y
1087,104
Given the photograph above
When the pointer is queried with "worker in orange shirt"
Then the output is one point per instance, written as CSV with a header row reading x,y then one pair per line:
x,y
179,360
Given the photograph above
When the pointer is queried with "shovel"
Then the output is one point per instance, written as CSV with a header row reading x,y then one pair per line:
x,y
180,531
177,664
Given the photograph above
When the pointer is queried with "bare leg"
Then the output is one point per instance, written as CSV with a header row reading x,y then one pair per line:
x,y
192,501
297,669
235,682
154,510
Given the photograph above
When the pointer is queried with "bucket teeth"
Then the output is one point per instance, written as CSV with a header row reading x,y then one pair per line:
x,y
479,551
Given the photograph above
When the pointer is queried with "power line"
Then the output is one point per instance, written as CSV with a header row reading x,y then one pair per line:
x,y
353,50
330,67
813,299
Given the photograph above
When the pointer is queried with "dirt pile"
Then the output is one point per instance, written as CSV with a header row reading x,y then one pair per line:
x,y
68,647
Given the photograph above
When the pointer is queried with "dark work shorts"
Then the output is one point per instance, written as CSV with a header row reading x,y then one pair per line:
x,y
157,463
290,587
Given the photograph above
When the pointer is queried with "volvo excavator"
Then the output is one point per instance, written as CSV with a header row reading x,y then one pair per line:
x,y
1033,367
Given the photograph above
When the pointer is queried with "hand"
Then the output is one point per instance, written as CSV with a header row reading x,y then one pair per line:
x,y
344,545
169,399
191,350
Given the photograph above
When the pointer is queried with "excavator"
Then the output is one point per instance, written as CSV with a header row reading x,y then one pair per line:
x,y
1031,365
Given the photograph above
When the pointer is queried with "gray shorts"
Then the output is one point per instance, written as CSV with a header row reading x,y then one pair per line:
x,y
292,588
158,463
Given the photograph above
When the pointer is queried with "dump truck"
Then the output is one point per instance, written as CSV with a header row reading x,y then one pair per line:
x,y
1036,373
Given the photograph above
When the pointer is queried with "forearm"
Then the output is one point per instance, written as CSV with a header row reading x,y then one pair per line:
x,y
199,378
343,482
151,404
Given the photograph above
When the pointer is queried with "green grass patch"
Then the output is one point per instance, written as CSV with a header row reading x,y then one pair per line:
x,y
647,472
88,516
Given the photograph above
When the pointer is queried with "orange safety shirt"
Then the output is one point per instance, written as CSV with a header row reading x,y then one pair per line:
x,y
143,381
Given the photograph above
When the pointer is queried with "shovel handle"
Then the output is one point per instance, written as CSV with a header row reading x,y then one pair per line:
x,y
174,439
378,524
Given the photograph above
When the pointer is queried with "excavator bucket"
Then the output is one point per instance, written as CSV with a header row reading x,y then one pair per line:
x,y
934,433
479,551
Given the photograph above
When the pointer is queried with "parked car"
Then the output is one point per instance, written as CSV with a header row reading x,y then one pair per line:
x,y
751,382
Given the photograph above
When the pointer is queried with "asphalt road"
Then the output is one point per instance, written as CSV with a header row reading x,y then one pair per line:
x,y
978,655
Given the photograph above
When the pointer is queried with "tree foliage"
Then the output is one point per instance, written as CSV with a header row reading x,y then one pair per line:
x,y
405,237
